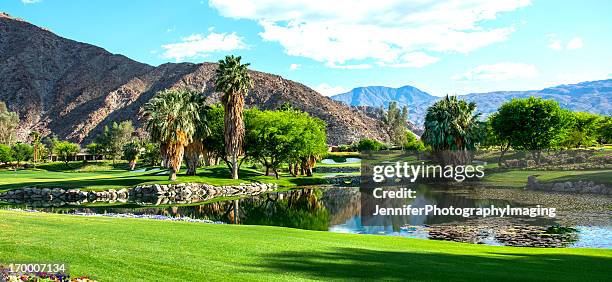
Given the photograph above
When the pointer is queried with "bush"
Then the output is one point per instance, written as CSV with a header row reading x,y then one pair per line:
x,y
6,154
22,152
370,145
413,144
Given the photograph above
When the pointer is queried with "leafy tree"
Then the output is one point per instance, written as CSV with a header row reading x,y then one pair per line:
x,y
113,138
604,130
214,142
22,152
94,149
65,150
6,154
396,120
151,154
8,125
412,143
581,130
529,124
171,119
131,153
289,136
367,144
50,142
233,80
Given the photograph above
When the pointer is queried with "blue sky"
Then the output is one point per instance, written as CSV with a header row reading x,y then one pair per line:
x,y
438,46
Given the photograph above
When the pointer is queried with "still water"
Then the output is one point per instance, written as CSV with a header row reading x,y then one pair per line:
x,y
338,209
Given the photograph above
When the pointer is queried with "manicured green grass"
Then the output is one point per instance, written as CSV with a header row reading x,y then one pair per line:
x,y
113,249
518,178
52,175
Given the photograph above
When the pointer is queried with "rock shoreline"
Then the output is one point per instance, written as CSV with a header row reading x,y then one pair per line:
x,y
586,187
149,194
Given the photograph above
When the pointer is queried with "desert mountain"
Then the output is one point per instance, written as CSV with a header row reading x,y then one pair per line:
x,y
591,96
74,89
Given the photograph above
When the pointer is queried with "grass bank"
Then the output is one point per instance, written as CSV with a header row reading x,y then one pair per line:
x,y
102,175
112,249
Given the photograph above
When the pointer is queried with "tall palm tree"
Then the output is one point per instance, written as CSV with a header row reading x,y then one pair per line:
x,y
232,78
452,125
171,119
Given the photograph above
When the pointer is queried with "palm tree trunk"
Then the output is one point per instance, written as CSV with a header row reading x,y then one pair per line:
x,y
234,166
175,154
233,128
192,156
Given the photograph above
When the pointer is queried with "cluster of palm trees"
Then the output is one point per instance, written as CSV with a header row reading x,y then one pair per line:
x,y
175,119
453,129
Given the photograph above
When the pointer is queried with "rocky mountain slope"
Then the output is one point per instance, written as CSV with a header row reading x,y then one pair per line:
x,y
416,100
591,96
74,89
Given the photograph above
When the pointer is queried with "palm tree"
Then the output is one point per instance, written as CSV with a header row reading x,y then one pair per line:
x,y
232,78
452,125
171,119
195,149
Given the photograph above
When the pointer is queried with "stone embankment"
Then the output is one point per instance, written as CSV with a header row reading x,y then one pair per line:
x,y
150,194
586,187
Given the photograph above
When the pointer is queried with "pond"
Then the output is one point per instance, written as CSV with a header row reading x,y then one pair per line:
x,y
337,209
340,160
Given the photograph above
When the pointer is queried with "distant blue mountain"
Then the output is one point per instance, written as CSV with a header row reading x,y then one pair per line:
x,y
591,96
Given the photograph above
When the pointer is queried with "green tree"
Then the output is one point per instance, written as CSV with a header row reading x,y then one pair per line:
x,y
94,149
171,119
452,124
195,149
604,130
529,123
412,143
131,153
396,120
581,130
452,130
65,150
22,152
50,142
113,138
6,154
233,80
367,144
289,136
8,125
214,142
151,154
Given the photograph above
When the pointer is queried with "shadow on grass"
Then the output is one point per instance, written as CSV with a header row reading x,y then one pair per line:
x,y
256,176
212,175
92,184
359,264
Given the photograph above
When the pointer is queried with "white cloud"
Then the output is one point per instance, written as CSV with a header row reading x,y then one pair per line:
x,y
557,44
348,67
30,1
415,60
574,43
499,71
554,43
293,67
328,90
385,32
198,45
